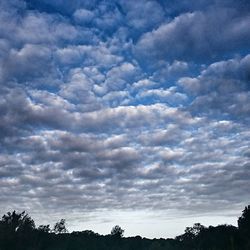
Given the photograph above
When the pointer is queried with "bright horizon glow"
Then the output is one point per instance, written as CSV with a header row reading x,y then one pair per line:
x,y
141,223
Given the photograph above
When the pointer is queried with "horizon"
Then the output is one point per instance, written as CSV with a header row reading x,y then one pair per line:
x,y
103,225
128,113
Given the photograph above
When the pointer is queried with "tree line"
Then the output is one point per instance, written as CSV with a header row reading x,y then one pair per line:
x,y
19,232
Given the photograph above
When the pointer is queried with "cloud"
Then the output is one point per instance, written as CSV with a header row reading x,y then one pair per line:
x,y
88,55
144,83
137,14
165,95
118,77
36,28
200,36
84,16
123,106
59,6
30,63
222,86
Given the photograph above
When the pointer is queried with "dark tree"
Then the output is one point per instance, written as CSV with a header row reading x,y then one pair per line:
x,y
44,228
244,221
117,231
60,227
191,232
17,222
16,231
244,225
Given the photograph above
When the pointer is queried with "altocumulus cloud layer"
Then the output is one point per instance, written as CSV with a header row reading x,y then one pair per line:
x,y
120,105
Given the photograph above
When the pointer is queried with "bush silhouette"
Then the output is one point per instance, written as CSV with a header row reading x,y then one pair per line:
x,y
117,231
18,232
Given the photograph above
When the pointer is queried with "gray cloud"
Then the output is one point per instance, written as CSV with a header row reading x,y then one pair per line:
x,y
222,87
137,14
85,125
201,36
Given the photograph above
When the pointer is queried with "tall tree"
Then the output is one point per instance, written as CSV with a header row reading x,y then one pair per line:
x,y
244,225
117,231
60,227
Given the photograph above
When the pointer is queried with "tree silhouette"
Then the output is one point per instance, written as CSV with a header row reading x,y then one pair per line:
x,y
44,228
244,221
244,225
117,231
17,222
18,232
60,227
195,229
191,232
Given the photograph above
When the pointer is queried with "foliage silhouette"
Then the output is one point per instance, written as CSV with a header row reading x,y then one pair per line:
x,y
244,225
117,231
16,222
44,228
18,232
60,227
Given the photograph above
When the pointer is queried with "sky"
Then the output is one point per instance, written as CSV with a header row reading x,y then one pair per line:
x,y
134,113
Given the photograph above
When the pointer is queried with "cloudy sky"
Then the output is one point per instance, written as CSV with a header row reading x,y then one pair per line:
x,y
125,112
